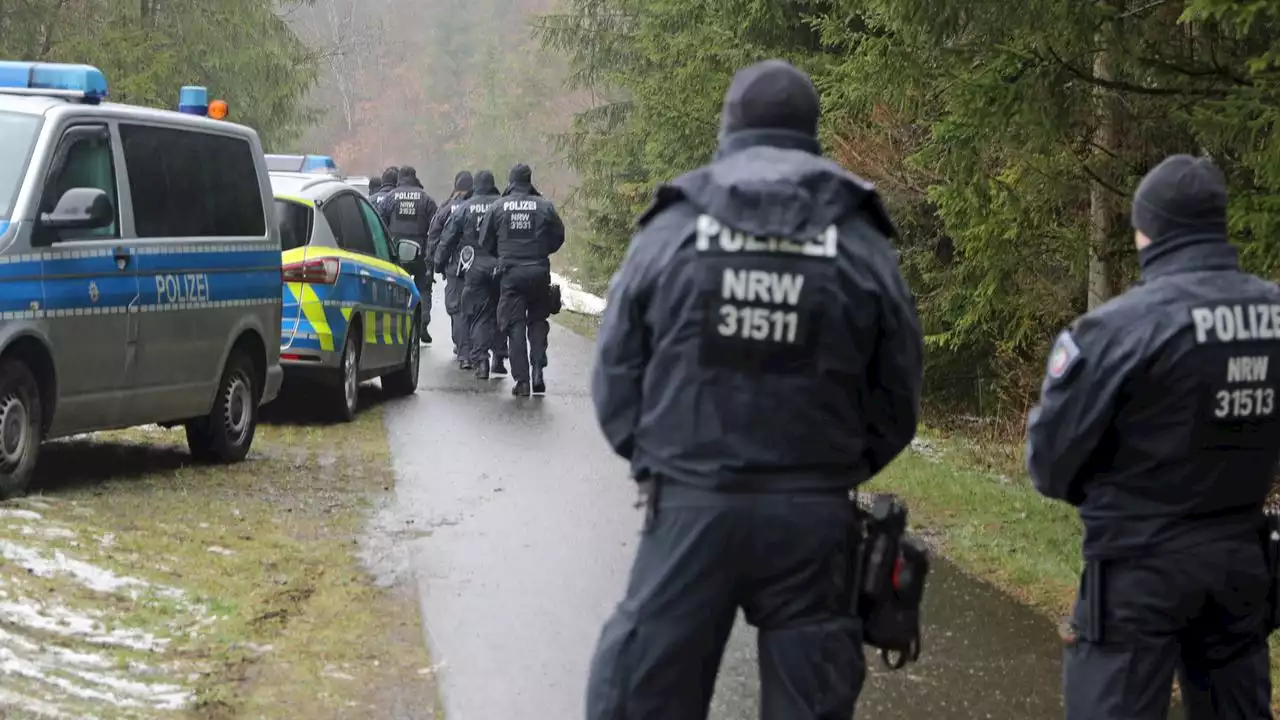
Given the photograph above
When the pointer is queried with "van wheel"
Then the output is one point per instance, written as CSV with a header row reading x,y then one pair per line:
x,y
404,381
227,433
21,421
346,396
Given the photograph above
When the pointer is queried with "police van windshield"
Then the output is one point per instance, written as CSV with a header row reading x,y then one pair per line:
x,y
17,136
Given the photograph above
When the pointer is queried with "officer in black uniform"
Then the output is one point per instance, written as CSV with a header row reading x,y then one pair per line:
x,y
522,229
759,357
1158,420
411,210
478,268
379,197
447,265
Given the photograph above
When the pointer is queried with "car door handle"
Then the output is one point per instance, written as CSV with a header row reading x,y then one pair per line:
x,y
122,258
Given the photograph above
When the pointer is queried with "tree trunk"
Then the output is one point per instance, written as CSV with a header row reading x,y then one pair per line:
x,y
1102,214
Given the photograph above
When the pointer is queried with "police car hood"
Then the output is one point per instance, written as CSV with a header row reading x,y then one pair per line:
x,y
777,192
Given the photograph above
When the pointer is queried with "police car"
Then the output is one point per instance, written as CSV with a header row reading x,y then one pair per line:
x,y
350,312
139,268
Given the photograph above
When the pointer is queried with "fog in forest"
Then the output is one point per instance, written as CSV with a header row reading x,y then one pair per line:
x,y
441,85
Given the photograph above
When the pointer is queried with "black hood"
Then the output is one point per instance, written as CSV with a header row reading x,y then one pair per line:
x,y
408,176
485,184
462,185
773,184
520,180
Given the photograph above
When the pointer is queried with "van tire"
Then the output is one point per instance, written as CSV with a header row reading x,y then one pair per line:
x,y
345,394
24,428
404,382
226,435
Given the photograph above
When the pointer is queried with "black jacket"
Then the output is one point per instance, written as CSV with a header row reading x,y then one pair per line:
x,y
1157,415
758,335
410,210
521,228
463,228
438,223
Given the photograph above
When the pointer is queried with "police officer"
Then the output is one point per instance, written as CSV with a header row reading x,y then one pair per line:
x,y
447,264
410,209
1158,420
380,196
480,291
761,287
522,229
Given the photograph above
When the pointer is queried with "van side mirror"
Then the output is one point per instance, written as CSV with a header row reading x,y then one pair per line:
x,y
408,251
80,209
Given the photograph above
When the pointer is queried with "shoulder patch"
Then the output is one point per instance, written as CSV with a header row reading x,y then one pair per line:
x,y
663,197
1063,356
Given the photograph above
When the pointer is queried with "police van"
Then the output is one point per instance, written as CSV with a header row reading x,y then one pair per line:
x,y
139,268
351,312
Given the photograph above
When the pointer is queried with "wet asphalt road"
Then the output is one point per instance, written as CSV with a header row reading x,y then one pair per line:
x,y
517,524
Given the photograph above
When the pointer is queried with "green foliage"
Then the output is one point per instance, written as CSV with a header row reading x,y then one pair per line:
x,y
1006,136
240,49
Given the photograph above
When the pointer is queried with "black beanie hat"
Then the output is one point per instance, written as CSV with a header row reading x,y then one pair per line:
x,y
771,95
391,175
1182,198
462,181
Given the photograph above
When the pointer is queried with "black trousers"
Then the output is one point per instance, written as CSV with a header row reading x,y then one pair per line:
x,y
480,316
422,278
1198,613
523,311
707,554
453,305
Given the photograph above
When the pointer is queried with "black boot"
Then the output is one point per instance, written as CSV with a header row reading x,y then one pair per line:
x,y
482,370
464,364
521,389
539,386
499,367
426,337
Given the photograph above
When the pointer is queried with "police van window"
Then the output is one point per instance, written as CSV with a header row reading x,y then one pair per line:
x,y
294,220
344,218
18,134
87,164
192,184
381,244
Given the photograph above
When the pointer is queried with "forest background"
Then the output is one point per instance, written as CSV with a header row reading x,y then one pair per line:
x,y
1006,135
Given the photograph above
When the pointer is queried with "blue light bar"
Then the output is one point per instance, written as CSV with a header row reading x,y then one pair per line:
x,y
193,100
32,78
319,162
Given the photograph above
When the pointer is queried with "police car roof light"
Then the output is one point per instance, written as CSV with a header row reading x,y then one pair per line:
x,y
83,82
319,162
193,100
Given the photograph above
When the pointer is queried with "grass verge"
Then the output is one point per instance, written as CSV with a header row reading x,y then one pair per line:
x,y
245,576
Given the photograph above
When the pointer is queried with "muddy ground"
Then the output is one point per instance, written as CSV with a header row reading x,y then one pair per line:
x,y
135,584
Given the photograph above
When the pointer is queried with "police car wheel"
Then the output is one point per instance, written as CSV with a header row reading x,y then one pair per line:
x,y
346,396
227,433
405,380
21,423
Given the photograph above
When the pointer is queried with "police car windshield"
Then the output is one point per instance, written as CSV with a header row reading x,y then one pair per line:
x,y
17,136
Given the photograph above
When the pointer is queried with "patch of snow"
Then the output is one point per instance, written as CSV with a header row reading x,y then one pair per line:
x,y
19,514
116,691
50,532
220,550
40,708
84,627
106,540
925,448
91,576
576,299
